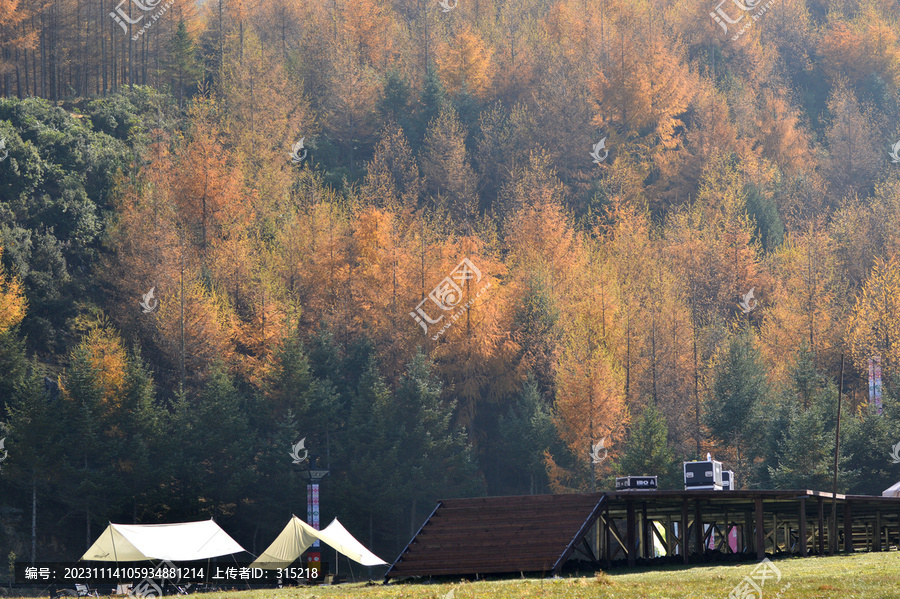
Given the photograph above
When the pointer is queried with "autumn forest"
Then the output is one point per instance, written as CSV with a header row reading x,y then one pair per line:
x,y
452,245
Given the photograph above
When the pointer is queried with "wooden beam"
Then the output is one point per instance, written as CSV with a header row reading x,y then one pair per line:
x,y
411,541
620,544
802,514
848,527
749,537
709,532
760,532
629,534
646,536
821,527
587,551
654,531
698,528
727,537
606,537
581,534
877,546
682,541
670,534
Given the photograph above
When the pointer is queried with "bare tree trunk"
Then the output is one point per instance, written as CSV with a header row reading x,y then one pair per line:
x,y
103,66
33,516
130,51
43,45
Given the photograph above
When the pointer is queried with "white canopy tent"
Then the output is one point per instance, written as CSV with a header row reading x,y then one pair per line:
x,y
347,543
183,541
298,536
892,491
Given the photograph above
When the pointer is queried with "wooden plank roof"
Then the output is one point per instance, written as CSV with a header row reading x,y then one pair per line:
x,y
490,535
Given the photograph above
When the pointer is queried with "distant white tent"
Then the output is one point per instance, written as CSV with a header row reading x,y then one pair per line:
x,y
298,536
337,533
892,491
184,541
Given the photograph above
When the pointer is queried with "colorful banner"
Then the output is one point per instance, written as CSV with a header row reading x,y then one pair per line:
x,y
871,380
875,383
878,384
312,508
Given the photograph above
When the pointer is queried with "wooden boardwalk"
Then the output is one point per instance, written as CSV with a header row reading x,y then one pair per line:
x,y
540,534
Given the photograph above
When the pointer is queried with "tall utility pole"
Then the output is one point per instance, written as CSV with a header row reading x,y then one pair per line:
x,y
182,311
837,444
313,477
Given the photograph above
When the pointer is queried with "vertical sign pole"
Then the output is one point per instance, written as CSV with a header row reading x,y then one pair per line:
x,y
837,444
314,557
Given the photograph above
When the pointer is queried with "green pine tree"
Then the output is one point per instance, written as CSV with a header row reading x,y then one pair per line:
x,y
35,431
647,451
181,65
434,455
868,439
527,431
739,393
805,458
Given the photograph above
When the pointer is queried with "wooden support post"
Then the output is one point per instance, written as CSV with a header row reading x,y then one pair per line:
x,y
629,534
848,527
606,549
698,529
760,536
638,536
821,526
749,538
877,546
683,539
803,552
669,536
774,533
647,537
726,548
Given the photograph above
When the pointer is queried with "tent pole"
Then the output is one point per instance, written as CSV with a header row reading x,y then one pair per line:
x,y
112,539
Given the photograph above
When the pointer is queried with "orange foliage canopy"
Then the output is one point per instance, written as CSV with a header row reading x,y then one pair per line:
x,y
12,300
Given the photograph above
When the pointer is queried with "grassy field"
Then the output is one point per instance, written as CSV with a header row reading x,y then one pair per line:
x,y
863,576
